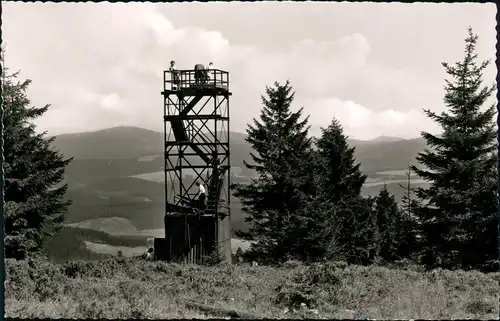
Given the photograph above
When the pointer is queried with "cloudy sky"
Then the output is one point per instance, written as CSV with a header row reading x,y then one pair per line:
x,y
372,66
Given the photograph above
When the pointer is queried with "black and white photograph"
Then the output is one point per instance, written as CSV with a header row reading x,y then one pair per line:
x,y
278,160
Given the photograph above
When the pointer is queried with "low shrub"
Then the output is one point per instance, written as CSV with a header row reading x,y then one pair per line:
x,y
478,306
35,278
310,285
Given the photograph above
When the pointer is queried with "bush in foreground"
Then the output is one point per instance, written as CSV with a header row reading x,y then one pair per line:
x,y
127,288
311,286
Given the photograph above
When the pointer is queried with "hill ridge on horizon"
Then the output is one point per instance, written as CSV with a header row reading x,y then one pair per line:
x,y
127,147
378,139
118,171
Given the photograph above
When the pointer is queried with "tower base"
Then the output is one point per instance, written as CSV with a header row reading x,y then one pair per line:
x,y
192,238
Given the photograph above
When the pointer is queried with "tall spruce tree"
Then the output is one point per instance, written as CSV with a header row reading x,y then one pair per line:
x,y
283,159
34,172
389,221
349,218
458,217
336,164
354,236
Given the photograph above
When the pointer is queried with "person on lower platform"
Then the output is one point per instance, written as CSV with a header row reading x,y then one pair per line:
x,y
201,196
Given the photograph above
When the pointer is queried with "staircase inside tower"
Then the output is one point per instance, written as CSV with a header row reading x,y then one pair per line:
x,y
182,129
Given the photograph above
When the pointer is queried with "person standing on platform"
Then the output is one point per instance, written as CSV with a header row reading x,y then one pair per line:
x,y
211,73
199,74
175,75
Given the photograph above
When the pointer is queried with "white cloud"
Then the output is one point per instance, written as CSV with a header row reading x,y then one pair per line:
x,y
111,101
363,123
103,62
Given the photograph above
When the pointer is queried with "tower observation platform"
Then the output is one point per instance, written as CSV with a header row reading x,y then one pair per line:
x,y
196,147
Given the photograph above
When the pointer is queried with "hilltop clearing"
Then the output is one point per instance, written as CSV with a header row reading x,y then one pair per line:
x,y
140,289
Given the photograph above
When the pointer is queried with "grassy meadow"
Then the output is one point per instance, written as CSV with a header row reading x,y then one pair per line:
x,y
127,288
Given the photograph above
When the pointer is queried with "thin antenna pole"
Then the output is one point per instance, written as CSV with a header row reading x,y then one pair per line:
x,y
408,190
2,173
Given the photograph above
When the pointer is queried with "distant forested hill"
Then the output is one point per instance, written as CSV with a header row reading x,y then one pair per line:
x,y
106,178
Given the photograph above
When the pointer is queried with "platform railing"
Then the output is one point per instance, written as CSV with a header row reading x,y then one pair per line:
x,y
207,78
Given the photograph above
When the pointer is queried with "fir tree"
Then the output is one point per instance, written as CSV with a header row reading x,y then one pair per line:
x,y
34,172
341,177
458,213
349,219
354,236
389,221
283,159
312,227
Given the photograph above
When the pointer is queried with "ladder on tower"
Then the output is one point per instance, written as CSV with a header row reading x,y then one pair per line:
x,y
213,199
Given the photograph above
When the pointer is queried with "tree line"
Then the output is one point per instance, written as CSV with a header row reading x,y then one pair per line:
x,y
306,203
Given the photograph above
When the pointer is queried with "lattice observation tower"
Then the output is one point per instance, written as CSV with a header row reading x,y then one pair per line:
x,y
196,136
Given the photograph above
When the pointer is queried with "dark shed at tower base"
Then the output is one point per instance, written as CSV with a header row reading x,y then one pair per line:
x,y
190,238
